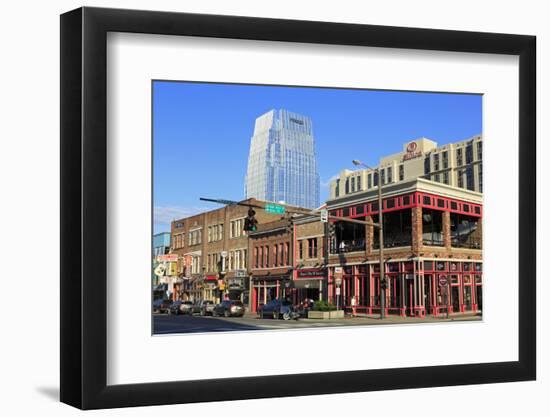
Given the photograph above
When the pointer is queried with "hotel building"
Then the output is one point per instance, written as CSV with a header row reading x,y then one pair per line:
x,y
456,164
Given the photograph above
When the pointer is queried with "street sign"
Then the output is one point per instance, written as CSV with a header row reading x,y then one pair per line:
x,y
338,275
442,281
324,216
275,208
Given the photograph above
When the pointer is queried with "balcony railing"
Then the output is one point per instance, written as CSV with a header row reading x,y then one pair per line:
x,y
468,242
345,246
394,241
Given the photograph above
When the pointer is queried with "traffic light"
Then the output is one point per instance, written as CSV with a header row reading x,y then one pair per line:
x,y
250,222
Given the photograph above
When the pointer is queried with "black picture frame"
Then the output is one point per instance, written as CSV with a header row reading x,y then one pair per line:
x,y
84,207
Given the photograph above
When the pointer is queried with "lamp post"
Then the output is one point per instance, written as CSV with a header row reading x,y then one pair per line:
x,y
380,239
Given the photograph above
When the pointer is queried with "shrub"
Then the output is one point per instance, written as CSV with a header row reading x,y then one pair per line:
x,y
322,305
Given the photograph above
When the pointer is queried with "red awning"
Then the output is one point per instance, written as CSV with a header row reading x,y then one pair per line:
x,y
210,278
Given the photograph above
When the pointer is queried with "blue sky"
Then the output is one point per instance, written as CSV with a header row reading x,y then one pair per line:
x,y
201,133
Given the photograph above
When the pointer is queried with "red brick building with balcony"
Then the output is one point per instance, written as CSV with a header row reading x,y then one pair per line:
x,y
432,236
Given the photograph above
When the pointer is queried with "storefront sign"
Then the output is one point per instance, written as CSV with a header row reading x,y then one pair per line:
x,y
311,273
235,283
167,258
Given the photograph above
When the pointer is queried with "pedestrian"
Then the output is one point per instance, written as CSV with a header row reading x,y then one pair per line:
x,y
353,307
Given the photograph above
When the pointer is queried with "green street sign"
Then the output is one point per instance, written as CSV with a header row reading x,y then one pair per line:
x,y
275,208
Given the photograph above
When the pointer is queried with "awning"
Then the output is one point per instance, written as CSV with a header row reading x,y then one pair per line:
x,y
161,287
307,283
210,278
271,277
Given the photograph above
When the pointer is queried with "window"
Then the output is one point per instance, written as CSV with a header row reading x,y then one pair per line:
x,y
353,184
401,172
470,178
382,177
469,153
480,176
275,255
312,247
454,205
347,185
436,177
436,162
445,159
261,257
479,151
390,203
256,258
432,227
465,231
358,183
397,229
426,200
406,200
266,252
390,175
359,209
301,249
427,165
281,254
375,179
460,179
337,188
287,251
236,228
459,157
446,177
369,181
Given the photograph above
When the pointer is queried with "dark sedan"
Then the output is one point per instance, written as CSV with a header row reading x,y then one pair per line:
x,y
277,309
229,308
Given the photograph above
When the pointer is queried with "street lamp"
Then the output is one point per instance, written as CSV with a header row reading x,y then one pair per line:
x,y
380,239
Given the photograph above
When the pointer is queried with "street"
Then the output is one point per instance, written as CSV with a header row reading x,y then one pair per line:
x,y
169,324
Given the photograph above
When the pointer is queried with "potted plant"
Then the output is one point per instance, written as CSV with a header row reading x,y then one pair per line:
x,y
324,310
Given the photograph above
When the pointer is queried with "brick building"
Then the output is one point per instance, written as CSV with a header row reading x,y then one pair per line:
x,y
213,252
310,258
432,235
271,260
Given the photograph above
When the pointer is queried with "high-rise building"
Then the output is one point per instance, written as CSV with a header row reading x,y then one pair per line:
x,y
458,164
282,163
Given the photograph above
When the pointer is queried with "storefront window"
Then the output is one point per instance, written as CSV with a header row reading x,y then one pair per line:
x,y
349,237
432,227
397,229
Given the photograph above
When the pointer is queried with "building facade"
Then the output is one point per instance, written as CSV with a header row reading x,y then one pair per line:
x,y
432,250
282,162
213,252
271,249
457,164
311,245
161,246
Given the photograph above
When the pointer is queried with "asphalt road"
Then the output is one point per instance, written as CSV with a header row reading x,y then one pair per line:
x,y
170,324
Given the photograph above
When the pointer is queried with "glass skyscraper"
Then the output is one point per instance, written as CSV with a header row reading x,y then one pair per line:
x,y
282,163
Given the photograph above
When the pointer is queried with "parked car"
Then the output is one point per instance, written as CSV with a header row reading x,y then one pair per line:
x,y
200,305
229,308
161,306
180,307
277,309
207,308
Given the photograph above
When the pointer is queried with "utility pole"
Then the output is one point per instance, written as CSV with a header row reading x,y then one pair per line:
x,y
380,226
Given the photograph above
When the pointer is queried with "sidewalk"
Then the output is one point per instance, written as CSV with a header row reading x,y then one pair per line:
x,y
390,319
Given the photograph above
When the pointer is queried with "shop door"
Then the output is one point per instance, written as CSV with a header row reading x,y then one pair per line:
x,y
455,298
428,295
479,297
